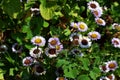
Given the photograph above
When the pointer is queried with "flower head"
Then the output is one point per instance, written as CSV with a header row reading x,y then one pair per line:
x,y
74,25
116,42
61,78
93,5
94,35
52,42
16,48
35,11
59,47
85,42
74,38
51,52
38,41
97,12
112,65
111,77
100,21
27,61
3,48
103,68
39,69
36,52
116,26
82,27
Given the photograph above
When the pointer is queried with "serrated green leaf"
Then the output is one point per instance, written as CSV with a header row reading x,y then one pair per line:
x,y
61,62
85,63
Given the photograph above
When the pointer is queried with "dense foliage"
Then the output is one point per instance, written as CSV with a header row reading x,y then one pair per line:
x,y
23,22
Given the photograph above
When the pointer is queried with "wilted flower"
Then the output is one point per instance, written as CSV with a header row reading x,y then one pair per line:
x,y
112,65
116,42
59,71
36,52
39,69
38,41
97,12
100,21
82,27
27,61
85,42
93,5
51,52
52,42
94,35
16,48
3,48
75,52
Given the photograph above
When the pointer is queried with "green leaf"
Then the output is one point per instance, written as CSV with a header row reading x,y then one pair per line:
x,y
11,71
47,11
61,62
12,7
85,63
45,24
67,32
83,77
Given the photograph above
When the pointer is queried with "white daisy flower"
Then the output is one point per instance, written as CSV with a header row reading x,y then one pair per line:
x,y
85,42
116,26
74,38
104,69
39,69
36,52
94,35
3,48
59,47
52,42
116,42
51,52
112,65
97,12
92,5
38,41
61,78
82,27
103,78
27,61
16,48
111,77
74,25
100,21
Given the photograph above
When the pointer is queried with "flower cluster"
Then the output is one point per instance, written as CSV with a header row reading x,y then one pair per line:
x,y
97,12
108,66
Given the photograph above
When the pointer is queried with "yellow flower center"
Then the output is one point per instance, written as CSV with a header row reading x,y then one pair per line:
x,y
112,65
61,78
99,21
75,26
57,47
38,40
82,26
94,36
